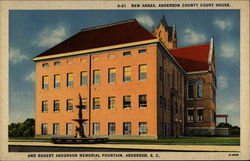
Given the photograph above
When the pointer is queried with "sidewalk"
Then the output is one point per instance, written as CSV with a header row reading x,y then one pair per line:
x,y
160,147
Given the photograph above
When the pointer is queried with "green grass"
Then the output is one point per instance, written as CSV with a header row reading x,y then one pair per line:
x,y
201,140
185,140
27,138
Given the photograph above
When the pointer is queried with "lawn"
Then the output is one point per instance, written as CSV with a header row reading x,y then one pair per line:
x,y
198,140
186,140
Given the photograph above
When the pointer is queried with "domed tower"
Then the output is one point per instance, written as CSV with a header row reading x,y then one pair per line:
x,y
166,34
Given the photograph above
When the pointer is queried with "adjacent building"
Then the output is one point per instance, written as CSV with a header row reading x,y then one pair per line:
x,y
134,83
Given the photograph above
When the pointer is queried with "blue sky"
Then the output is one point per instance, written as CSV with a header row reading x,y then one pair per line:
x,y
32,32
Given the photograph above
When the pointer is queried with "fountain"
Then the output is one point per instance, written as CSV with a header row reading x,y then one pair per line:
x,y
80,136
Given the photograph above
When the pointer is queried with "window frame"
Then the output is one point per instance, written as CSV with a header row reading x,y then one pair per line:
x,y
143,104
96,106
190,118
45,82
70,83
56,127
55,108
142,51
57,63
57,84
199,89
127,126
127,74
96,77
45,102
69,129
111,76
142,75
110,106
193,91
96,129
45,65
143,125
126,105
200,118
111,128
44,129
67,103
84,78
127,53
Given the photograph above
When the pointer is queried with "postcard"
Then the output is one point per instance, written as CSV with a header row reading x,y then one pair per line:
x,y
124,80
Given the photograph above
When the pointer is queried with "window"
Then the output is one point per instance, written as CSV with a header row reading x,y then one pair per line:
x,y
96,128
161,74
190,90
111,128
126,74
199,89
127,53
111,76
161,102
69,104
45,82
57,81
142,101
69,129
200,114
56,106
164,103
84,128
142,128
111,103
84,78
70,80
44,129
44,106
142,72
55,129
96,77
190,116
57,63
126,128
126,101
70,61
45,65
96,103
84,103
143,51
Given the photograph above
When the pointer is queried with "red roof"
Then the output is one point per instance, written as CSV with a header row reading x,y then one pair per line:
x,y
192,58
114,34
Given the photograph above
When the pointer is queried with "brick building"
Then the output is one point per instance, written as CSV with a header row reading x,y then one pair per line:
x,y
133,84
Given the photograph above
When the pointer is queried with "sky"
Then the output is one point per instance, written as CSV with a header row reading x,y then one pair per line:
x,y
32,32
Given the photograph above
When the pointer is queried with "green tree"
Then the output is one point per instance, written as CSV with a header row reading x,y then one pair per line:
x,y
233,130
27,128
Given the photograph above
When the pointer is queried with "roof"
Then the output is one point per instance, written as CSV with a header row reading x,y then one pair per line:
x,y
192,58
102,36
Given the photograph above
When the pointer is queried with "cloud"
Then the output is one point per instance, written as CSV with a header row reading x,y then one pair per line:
x,y
146,20
30,77
223,24
49,36
222,82
16,56
190,36
228,50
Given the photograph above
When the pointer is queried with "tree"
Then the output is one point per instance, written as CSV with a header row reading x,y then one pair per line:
x,y
233,130
27,128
